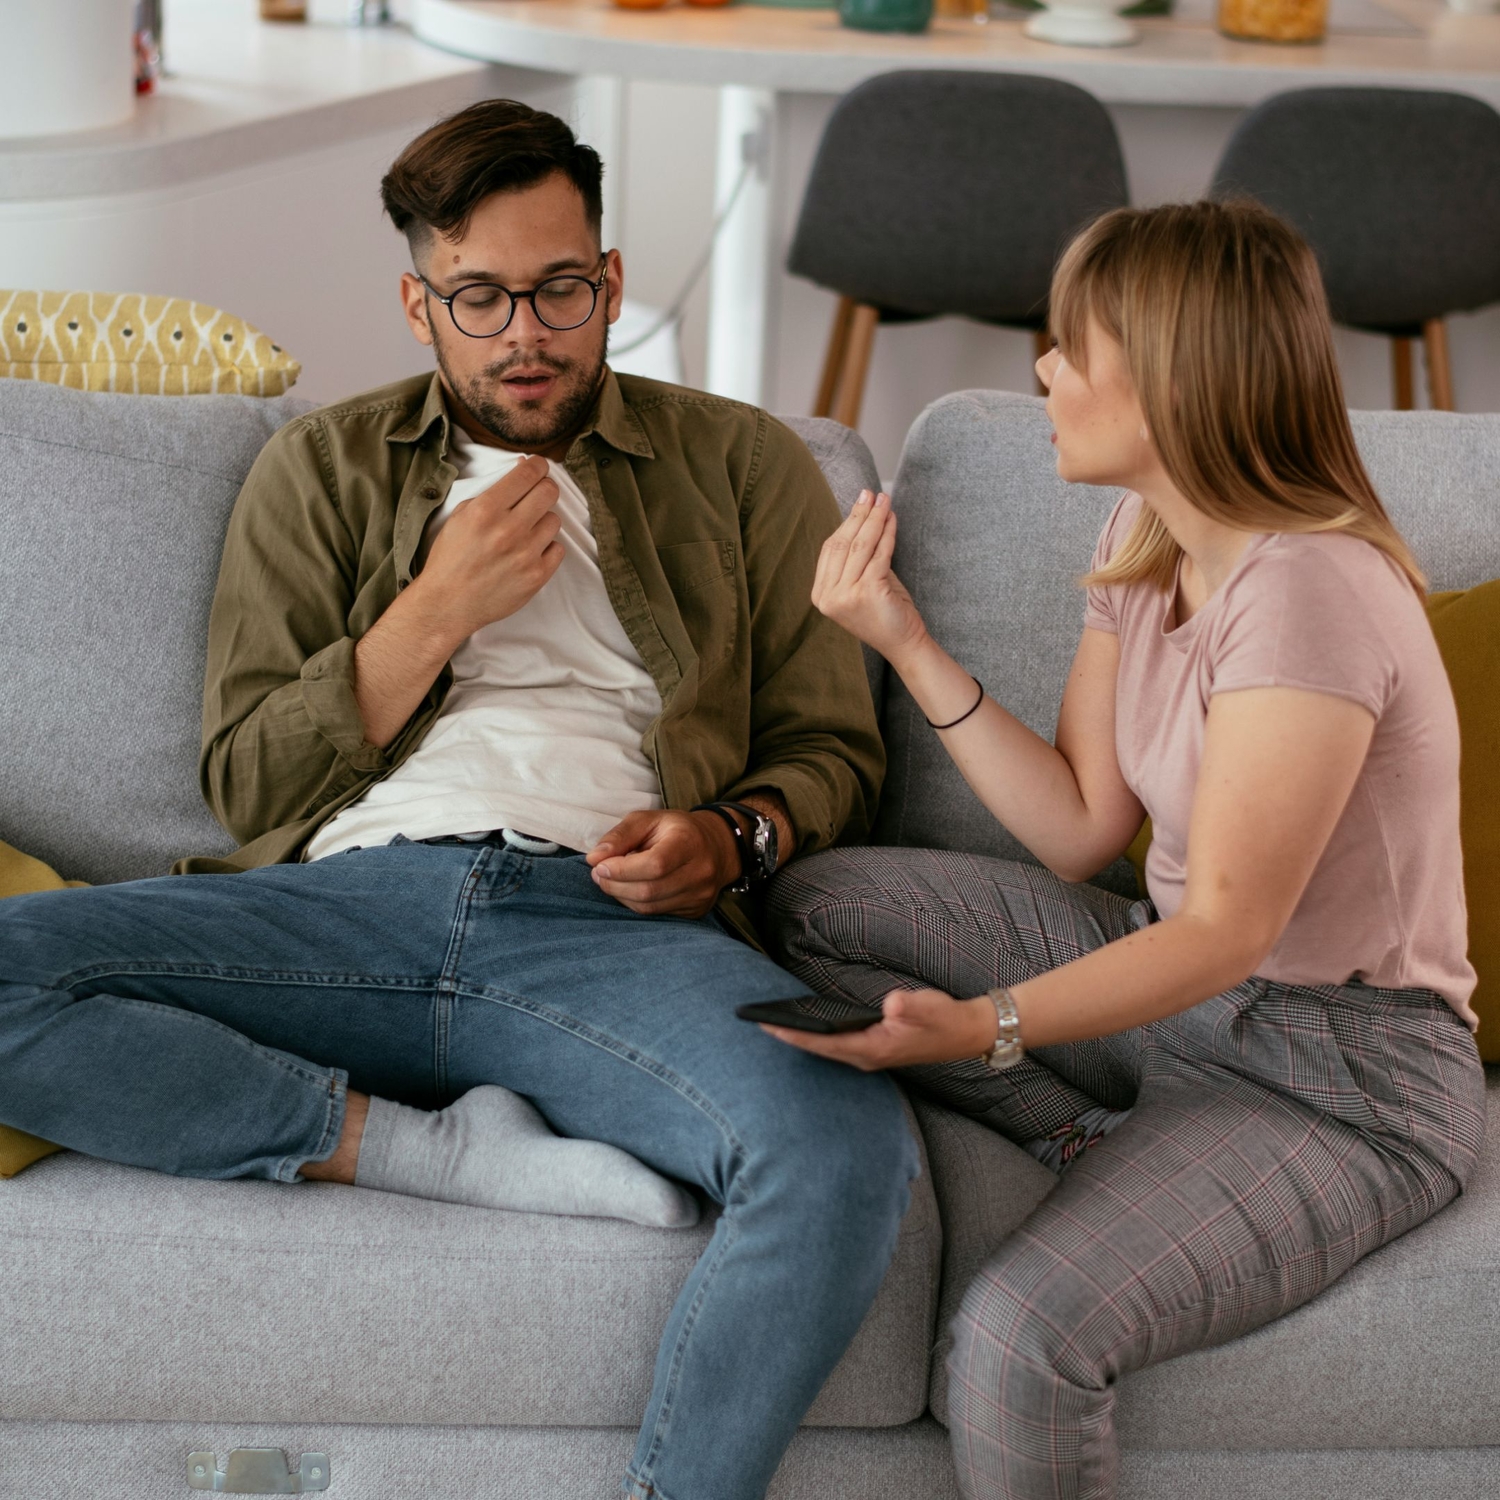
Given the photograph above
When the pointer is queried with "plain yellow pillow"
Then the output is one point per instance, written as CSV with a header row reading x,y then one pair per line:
x,y
19,873
1467,626
139,345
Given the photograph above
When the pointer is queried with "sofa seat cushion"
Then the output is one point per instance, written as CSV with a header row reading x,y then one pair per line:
x,y
134,1296
1403,1352
146,1461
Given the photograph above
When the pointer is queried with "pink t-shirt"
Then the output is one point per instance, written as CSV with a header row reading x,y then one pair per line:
x,y
1331,614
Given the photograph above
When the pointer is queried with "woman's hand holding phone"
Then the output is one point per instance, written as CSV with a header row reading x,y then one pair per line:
x,y
915,1026
855,587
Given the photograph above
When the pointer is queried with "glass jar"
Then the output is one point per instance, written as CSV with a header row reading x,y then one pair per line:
x,y
977,11
1274,20
886,15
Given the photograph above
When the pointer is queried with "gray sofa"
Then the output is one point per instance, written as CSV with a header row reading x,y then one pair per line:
x,y
447,1352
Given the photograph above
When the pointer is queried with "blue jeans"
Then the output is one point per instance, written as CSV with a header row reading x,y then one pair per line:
x,y
209,1026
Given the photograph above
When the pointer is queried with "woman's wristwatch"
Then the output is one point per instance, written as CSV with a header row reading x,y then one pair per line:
x,y
758,847
1007,1051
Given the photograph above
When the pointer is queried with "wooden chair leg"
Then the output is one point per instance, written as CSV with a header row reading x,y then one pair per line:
x,y
1401,373
1439,370
833,361
856,364
1041,341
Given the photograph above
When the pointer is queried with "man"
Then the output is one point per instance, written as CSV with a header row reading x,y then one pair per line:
x,y
512,671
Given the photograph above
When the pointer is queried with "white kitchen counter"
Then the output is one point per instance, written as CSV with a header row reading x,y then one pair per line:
x,y
243,92
1179,60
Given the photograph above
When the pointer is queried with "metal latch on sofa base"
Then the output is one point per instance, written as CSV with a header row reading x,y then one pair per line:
x,y
258,1471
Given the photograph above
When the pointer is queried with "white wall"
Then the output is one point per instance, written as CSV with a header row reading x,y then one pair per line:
x,y
298,247
668,202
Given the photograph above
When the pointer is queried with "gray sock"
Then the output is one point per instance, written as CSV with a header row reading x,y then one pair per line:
x,y
1061,1148
493,1150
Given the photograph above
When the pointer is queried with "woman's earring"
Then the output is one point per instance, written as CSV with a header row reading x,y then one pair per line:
x,y
1145,436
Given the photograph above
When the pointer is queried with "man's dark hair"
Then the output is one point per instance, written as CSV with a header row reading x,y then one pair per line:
x,y
490,147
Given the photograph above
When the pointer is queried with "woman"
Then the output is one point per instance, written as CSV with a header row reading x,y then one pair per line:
x,y
1267,1070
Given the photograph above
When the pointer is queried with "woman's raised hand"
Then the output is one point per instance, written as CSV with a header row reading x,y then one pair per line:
x,y
855,587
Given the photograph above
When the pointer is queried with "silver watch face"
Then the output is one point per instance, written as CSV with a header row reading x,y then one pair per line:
x,y
765,841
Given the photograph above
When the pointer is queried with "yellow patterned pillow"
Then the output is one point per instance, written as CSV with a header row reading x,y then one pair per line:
x,y
143,346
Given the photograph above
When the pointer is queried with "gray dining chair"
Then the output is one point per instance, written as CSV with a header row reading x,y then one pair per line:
x,y
940,192
1398,193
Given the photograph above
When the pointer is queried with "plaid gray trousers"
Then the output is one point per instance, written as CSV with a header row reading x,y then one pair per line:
x,y
1278,1133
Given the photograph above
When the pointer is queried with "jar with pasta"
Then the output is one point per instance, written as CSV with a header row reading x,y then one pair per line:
x,y
1274,20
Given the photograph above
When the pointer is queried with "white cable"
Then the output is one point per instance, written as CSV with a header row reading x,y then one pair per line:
x,y
679,302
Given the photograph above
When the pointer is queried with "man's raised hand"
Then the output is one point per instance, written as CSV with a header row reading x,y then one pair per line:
x,y
495,552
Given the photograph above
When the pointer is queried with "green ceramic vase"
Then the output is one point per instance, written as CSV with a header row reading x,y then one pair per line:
x,y
886,15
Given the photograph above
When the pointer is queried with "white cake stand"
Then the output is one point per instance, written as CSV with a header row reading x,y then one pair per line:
x,y
1082,23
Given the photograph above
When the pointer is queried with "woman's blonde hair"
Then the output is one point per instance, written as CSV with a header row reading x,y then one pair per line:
x,y
1220,310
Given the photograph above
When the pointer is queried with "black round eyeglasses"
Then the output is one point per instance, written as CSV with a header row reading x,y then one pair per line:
x,y
481,309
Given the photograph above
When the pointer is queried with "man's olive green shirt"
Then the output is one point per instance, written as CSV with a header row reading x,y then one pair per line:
x,y
708,515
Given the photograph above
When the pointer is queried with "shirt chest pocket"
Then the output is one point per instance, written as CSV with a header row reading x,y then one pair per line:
x,y
701,576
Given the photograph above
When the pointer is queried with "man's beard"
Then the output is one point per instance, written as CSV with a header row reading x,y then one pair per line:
x,y
521,428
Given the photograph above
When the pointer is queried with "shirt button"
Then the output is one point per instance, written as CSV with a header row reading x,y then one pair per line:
x,y
429,493
605,462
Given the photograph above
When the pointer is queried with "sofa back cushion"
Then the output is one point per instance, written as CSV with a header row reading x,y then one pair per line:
x,y
112,515
992,542
849,467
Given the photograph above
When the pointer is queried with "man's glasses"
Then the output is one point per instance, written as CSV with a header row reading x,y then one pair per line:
x,y
481,309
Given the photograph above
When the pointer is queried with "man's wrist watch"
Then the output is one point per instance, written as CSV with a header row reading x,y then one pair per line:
x,y
765,842
1007,1051
757,844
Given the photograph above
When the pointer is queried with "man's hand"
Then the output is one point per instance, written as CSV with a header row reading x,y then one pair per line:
x,y
494,553
492,556
671,864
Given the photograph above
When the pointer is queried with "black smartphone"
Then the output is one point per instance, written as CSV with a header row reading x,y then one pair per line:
x,y
791,1015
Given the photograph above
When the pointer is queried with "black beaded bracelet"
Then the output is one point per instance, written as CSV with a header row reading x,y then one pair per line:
x,y
959,720
741,844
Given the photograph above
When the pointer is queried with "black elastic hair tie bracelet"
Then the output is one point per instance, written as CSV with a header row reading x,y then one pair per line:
x,y
959,720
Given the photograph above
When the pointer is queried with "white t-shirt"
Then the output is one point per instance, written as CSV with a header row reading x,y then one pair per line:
x,y
542,728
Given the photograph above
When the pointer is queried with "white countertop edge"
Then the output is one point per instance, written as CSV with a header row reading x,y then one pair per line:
x,y
1115,75
85,168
